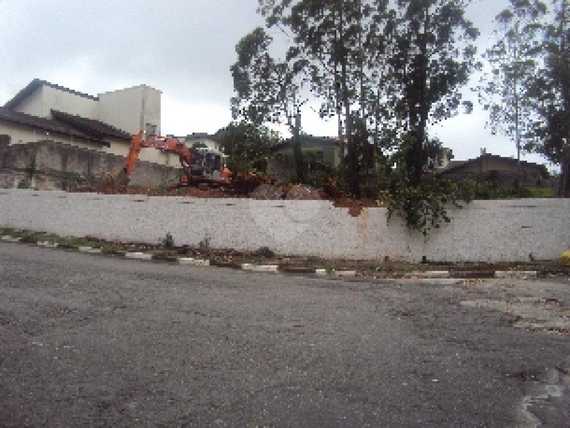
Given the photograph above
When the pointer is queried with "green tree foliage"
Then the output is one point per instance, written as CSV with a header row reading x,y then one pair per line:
x,y
425,207
247,146
399,65
513,61
387,69
551,94
429,57
329,36
266,90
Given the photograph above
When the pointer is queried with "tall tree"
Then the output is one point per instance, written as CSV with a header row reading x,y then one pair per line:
x,y
513,61
430,56
330,36
267,90
551,92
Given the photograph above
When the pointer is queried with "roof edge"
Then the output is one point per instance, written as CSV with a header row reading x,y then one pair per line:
x,y
35,84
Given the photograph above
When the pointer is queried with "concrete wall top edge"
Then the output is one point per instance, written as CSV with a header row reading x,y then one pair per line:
x,y
507,203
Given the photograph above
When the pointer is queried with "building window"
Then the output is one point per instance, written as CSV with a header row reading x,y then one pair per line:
x,y
151,130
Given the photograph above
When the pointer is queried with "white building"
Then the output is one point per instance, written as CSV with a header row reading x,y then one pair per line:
x,y
43,110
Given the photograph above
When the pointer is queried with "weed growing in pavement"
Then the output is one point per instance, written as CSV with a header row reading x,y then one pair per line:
x,y
168,241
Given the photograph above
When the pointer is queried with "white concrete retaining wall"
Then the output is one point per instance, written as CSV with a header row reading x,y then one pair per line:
x,y
509,230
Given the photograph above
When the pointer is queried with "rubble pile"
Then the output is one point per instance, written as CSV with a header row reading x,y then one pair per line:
x,y
268,192
302,192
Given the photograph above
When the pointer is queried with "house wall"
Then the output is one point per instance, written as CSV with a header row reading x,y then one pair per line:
x,y
34,104
128,109
131,109
24,135
69,103
502,171
45,98
49,165
484,231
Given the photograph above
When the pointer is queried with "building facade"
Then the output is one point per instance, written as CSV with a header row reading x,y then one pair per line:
x,y
46,111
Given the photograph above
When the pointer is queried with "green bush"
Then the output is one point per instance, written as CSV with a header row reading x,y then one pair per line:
x,y
424,207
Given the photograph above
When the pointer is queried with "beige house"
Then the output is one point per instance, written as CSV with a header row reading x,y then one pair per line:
x,y
497,170
46,111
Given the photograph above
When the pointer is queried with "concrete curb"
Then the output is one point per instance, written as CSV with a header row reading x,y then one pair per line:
x,y
193,262
345,274
434,274
513,274
47,244
260,268
472,275
138,256
423,281
425,277
297,269
89,250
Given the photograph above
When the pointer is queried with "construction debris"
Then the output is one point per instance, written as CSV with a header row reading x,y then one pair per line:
x,y
268,192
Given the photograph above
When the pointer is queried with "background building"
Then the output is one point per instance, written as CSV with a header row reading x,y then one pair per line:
x,y
45,111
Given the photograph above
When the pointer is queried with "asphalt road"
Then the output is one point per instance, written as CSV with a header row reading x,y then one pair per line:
x,y
97,341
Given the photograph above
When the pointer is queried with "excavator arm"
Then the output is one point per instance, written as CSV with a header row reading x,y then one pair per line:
x,y
165,145
134,154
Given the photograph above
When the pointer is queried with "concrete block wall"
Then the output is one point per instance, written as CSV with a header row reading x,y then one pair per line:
x,y
488,231
48,165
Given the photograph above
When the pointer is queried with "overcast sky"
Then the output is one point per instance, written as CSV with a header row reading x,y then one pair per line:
x,y
182,47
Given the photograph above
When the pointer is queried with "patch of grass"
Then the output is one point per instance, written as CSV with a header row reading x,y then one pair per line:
x,y
541,192
166,255
113,249
73,242
168,241
31,237
7,231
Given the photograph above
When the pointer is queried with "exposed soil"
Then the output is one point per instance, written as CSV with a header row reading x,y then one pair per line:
x,y
251,188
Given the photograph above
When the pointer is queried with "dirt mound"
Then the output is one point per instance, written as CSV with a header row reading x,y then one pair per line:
x,y
301,192
267,192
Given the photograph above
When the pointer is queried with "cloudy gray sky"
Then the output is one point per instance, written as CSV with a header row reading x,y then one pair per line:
x,y
183,47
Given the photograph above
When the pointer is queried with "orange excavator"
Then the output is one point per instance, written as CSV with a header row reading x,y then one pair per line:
x,y
192,163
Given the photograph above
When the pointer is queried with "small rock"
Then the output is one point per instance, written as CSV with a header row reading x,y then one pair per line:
x,y
260,268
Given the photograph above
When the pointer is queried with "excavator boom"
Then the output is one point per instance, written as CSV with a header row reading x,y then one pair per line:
x,y
165,145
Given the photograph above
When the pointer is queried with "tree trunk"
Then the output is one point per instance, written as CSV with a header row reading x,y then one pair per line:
x,y
415,158
297,149
352,156
419,106
564,191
